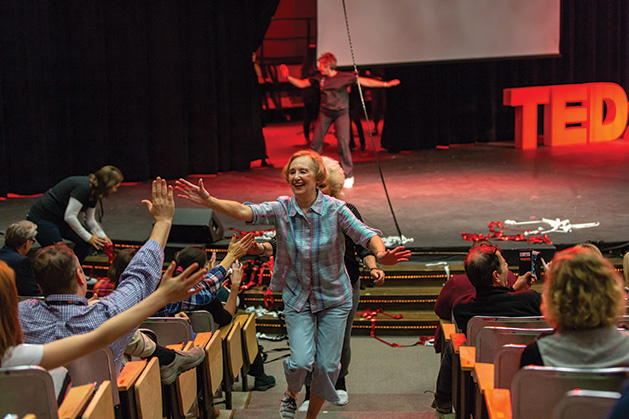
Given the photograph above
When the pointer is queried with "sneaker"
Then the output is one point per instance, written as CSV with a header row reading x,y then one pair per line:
x,y
183,362
442,407
264,383
304,406
288,406
214,413
343,398
349,183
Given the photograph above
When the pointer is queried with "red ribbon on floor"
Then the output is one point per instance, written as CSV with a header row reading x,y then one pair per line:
x,y
256,233
497,227
372,314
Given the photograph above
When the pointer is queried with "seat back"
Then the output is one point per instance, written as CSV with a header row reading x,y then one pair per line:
x,y
476,323
213,359
202,321
148,392
233,344
102,404
249,341
535,391
490,339
97,366
585,404
169,330
506,364
18,387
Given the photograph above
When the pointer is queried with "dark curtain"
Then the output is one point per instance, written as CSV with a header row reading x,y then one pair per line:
x,y
154,87
455,103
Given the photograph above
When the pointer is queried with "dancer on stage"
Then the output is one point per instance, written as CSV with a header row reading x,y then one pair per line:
x,y
56,213
309,270
334,85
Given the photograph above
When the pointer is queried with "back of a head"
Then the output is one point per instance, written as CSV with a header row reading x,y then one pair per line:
x,y
18,233
119,264
582,291
480,264
10,331
104,179
55,269
190,255
335,175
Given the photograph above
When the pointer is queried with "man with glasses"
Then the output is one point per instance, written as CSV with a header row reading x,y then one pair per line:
x,y
487,270
18,240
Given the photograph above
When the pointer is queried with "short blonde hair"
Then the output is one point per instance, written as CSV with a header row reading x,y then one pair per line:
x,y
320,173
336,176
582,291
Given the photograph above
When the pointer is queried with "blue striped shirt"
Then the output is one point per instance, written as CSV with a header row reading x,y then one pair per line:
x,y
210,286
309,265
63,315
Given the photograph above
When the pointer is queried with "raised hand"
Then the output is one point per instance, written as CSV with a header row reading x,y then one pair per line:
x,y
182,286
193,193
394,256
236,275
240,248
284,71
162,206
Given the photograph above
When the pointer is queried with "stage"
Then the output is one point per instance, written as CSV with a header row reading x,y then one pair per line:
x,y
436,194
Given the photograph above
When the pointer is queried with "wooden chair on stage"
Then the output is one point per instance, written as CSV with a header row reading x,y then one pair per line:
x,y
249,344
80,400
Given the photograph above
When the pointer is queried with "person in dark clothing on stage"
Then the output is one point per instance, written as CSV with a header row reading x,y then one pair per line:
x,y
310,95
334,108
57,212
488,271
18,240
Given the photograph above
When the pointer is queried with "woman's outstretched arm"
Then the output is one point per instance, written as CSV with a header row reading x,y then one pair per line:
x,y
200,196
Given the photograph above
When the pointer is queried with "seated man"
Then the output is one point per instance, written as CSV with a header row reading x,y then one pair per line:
x,y
65,310
18,240
488,271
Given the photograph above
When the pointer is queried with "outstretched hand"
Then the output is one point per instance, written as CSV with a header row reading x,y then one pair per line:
x,y
393,83
193,193
394,256
236,275
240,248
162,206
182,286
284,71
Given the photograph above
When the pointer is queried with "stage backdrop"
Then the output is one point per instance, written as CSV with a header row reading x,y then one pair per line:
x,y
154,87
461,102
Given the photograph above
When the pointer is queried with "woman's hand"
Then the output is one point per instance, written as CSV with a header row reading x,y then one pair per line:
x,y
284,71
98,241
392,257
236,275
193,193
183,315
377,275
182,286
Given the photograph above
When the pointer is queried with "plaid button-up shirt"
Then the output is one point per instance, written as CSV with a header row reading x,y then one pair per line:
x,y
309,265
63,315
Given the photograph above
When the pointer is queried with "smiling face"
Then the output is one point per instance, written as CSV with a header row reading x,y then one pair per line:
x,y
301,176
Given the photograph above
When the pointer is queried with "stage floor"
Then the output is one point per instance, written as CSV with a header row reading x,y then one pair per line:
x,y
436,194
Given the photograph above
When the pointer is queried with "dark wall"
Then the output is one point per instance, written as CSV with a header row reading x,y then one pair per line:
x,y
450,103
154,87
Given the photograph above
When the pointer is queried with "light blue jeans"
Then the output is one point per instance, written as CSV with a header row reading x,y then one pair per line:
x,y
316,341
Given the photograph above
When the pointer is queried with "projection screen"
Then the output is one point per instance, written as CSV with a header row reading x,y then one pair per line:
x,y
410,31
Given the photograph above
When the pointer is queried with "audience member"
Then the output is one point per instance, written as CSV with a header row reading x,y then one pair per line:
x,y
488,271
56,212
65,310
223,315
334,108
583,297
458,289
105,286
18,240
52,356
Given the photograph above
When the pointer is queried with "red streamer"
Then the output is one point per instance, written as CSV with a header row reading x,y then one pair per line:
x,y
497,228
372,314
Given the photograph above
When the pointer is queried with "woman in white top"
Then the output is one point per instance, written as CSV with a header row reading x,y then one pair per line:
x,y
53,355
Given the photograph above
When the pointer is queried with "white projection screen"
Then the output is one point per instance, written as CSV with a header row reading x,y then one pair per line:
x,y
411,31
